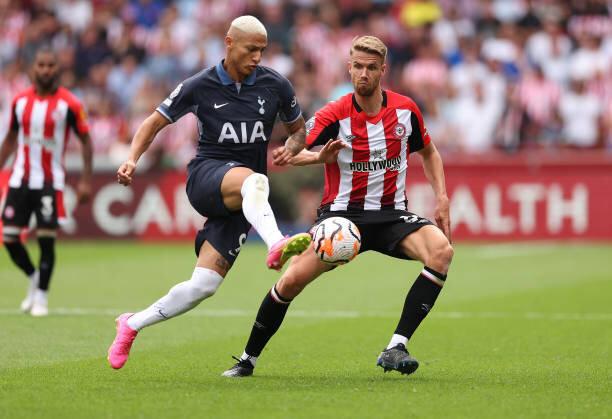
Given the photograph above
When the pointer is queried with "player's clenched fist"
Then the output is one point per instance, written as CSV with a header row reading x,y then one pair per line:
x,y
125,172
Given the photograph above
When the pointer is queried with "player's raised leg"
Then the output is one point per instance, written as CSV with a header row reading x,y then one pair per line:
x,y
302,270
244,189
430,246
206,278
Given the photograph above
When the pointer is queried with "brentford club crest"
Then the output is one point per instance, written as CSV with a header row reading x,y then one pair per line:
x,y
9,212
399,131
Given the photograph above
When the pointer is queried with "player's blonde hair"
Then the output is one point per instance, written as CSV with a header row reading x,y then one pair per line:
x,y
249,24
369,44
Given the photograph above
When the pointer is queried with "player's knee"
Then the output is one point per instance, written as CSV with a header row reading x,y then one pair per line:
x,y
441,257
204,283
256,183
290,285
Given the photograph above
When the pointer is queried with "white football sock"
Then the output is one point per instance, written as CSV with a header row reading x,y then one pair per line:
x,y
181,298
40,296
256,208
251,359
396,339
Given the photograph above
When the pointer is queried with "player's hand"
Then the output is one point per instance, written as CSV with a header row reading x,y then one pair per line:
x,y
281,156
126,172
442,216
329,152
83,191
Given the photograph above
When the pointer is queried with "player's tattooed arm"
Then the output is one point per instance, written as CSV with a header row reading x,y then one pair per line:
x,y
297,136
294,144
223,264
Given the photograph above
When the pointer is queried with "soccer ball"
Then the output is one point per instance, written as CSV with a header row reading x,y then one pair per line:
x,y
336,240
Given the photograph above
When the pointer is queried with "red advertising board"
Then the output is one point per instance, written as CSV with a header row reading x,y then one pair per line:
x,y
495,199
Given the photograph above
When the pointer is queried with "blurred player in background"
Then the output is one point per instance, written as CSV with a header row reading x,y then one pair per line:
x,y
368,136
41,117
236,103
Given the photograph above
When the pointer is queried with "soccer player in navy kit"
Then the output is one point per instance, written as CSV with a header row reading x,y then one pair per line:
x,y
236,103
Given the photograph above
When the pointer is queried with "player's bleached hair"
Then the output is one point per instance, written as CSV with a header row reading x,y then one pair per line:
x,y
249,24
369,44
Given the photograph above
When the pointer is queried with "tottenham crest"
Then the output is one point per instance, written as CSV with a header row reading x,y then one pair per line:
x,y
261,105
399,131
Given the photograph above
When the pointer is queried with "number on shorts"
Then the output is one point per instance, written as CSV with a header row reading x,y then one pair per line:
x,y
47,206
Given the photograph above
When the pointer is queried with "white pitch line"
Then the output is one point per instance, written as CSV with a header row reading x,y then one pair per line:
x,y
227,313
504,251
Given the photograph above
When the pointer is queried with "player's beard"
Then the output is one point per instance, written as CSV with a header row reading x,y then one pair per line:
x,y
46,83
365,89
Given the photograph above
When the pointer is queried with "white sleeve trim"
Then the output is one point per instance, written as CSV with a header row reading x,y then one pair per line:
x,y
293,120
164,114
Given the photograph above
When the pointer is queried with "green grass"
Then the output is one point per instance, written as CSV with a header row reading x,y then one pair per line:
x,y
519,331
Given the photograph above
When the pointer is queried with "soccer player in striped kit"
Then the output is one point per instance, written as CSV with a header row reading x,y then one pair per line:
x,y
41,119
367,137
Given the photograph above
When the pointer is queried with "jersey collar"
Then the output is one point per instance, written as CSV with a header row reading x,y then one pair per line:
x,y
358,108
227,80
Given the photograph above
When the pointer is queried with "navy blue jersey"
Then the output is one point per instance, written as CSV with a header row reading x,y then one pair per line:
x,y
235,120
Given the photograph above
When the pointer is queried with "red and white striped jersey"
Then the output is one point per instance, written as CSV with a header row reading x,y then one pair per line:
x,y
371,173
43,124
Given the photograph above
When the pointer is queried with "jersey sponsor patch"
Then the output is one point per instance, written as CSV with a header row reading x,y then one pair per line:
x,y
310,125
176,91
372,166
230,133
174,94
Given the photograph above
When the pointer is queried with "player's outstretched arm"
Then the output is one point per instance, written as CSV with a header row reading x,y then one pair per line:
x,y
434,171
9,145
327,154
84,186
140,143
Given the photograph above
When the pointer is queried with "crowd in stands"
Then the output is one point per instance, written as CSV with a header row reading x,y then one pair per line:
x,y
488,74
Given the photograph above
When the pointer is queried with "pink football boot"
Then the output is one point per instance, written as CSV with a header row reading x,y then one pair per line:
x,y
119,351
281,251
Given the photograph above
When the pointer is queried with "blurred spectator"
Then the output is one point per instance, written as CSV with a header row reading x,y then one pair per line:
x,y
538,98
75,13
125,80
581,114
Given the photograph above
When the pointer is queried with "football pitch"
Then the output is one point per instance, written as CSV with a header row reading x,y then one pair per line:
x,y
519,331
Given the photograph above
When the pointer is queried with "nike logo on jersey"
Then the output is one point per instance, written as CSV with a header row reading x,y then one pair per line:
x,y
221,105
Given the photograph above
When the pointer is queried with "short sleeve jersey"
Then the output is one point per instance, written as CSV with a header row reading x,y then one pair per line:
x,y
42,124
371,173
235,120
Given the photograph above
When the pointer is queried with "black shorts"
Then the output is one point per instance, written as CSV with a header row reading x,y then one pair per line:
x,y
22,202
381,231
225,230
